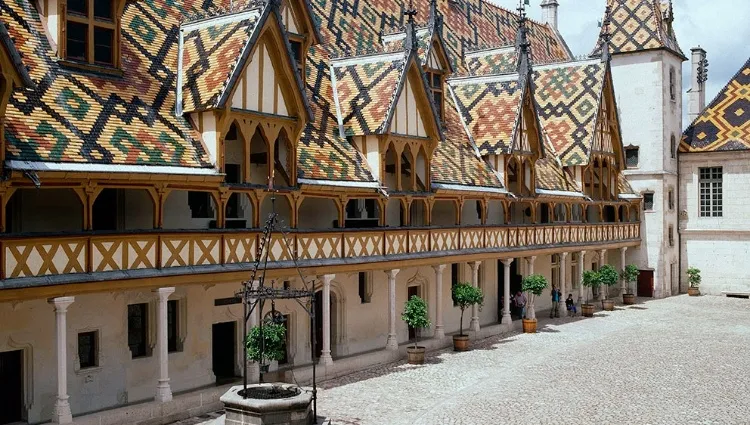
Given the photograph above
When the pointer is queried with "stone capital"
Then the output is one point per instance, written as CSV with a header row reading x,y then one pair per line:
x,y
474,265
61,303
438,268
507,261
164,293
624,249
392,273
326,278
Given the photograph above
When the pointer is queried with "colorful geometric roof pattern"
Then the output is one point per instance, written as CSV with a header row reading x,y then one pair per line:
x,y
623,185
568,96
77,117
15,58
490,109
725,124
322,153
492,62
550,174
210,55
456,161
638,25
366,91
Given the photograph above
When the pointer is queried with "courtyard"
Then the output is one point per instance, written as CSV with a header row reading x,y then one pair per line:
x,y
679,360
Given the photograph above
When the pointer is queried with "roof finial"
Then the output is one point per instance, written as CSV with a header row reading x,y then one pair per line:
x,y
522,42
411,12
605,36
436,19
411,28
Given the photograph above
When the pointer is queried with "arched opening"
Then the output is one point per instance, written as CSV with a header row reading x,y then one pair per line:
x,y
521,213
624,213
418,213
394,213
596,180
44,210
576,213
513,175
561,213
389,176
528,177
258,159
471,213
123,209
588,188
605,180
609,214
444,213
407,171
234,147
634,213
317,213
362,213
238,211
281,206
592,214
319,323
495,213
422,171
543,214
283,157
185,209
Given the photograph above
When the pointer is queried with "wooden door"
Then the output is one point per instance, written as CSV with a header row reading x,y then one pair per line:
x,y
646,283
11,387
413,290
224,349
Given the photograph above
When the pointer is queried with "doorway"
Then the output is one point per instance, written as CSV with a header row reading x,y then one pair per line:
x,y
515,286
646,283
412,291
319,323
11,387
224,351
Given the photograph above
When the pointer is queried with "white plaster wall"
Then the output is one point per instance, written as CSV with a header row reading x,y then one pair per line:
x,y
704,240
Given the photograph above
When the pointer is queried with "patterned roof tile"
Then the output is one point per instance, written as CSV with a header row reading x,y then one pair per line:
x,y
725,124
568,96
492,62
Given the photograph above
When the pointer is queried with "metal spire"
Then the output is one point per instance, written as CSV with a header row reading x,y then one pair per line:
x,y
605,35
522,42
411,29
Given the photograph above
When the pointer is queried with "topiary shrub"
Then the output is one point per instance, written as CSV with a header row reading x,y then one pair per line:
x,y
415,315
533,284
274,337
591,279
630,274
465,296
608,276
694,277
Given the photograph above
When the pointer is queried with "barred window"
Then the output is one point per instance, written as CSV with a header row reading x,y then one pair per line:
x,y
671,199
88,346
671,235
710,182
631,157
648,201
673,147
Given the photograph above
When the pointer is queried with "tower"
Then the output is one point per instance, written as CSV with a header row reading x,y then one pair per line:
x,y
646,68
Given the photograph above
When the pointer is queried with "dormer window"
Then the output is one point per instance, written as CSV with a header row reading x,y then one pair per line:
x,y
297,47
435,80
90,32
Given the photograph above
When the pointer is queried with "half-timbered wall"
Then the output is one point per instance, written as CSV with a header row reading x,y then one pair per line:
x,y
259,88
407,118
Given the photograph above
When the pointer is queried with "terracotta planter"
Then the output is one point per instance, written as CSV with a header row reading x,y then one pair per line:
x,y
416,355
529,326
587,310
460,343
628,299
608,305
694,292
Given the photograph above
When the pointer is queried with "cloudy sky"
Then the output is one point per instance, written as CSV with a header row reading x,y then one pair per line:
x,y
719,26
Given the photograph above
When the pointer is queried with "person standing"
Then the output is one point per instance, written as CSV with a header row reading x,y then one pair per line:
x,y
555,312
520,300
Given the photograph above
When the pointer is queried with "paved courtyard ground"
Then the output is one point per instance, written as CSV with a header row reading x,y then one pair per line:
x,y
681,360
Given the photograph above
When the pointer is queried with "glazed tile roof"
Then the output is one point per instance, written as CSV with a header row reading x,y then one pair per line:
x,y
550,174
494,61
456,159
15,58
366,90
568,96
638,25
75,117
490,110
322,153
725,124
623,185
210,55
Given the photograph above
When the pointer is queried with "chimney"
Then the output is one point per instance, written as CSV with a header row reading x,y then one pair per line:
x,y
698,77
549,12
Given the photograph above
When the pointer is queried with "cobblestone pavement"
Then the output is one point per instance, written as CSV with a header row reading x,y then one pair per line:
x,y
681,360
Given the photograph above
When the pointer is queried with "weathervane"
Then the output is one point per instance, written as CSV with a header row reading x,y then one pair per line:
x,y
411,12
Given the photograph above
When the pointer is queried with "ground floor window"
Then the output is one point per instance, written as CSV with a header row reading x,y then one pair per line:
x,y
138,329
88,348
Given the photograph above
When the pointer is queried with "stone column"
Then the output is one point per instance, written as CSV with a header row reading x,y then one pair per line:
x,y
531,261
392,342
624,289
602,256
530,271
163,390
325,353
506,290
474,324
439,328
563,278
61,413
581,266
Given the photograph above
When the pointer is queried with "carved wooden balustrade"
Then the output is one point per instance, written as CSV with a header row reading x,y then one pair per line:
x,y
23,257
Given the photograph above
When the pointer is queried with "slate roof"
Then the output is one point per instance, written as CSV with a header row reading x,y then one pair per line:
x,y
210,55
639,25
75,117
725,124
490,110
568,96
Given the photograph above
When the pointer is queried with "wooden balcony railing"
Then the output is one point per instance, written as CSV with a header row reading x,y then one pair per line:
x,y
22,257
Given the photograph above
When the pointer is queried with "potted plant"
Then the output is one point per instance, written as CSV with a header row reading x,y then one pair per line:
x,y
608,277
591,279
464,296
694,279
271,344
415,316
533,284
629,275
